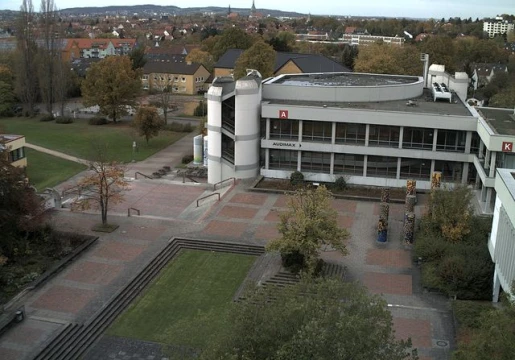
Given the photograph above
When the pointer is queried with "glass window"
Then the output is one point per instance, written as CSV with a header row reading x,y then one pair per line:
x,y
348,164
474,144
320,131
350,133
451,170
284,129
17,154
384,135
283,159
451,140
415,169
382,166
316,162
417,138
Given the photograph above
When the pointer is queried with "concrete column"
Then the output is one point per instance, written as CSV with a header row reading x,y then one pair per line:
x,y
488,199
365,164
299,160
487,160
398,175
468,142
331,167
267,158
367,134
333,137
477,182
435,138
465,174
496,287
267,135
300,131
401,136
483,193
432,169
481,148
493,158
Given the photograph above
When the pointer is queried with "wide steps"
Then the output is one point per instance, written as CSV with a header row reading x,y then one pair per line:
x,y
76,339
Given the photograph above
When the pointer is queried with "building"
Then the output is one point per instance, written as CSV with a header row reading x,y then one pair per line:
x,y
96,48
15,147
497,26
483,73
285,63
502,238
375,130
357,39
181,76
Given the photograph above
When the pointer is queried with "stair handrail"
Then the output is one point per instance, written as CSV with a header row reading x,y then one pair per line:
x,y
221,182
208,196
146,176
133,209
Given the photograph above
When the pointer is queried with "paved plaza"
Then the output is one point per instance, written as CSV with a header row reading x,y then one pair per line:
x,y
169,209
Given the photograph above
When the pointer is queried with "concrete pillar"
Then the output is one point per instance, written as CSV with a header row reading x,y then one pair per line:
x,y
398,174
267,135
496,287
267,158
481,148
488,199
333,135
300,131
365,164
401,136
483,193
331,167
468,142
435,138
486,165
432,168
367,134
477,182
465,174
299,161
493,158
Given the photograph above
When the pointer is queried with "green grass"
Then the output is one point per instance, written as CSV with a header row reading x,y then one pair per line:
x,y
76,139
46,171
187,305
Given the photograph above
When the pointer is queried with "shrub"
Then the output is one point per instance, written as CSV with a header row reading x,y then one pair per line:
x,y
47,117
201,109
97,120
293,261
296,178
179,127
187,159
63,120
340,184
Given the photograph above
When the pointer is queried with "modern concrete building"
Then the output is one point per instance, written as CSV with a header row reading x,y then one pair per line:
x,y
497,26
502,238
365,39
375,130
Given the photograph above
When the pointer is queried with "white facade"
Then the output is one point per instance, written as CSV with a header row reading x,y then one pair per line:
x,y
502,238
497,27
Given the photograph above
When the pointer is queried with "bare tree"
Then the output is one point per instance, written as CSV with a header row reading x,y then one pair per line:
x,y
164,86
26,86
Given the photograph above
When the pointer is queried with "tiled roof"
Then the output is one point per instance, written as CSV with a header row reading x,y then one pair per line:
x,y
484,69
170,67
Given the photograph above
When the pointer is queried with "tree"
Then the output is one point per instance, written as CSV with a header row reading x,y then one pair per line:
x,y
148,122
349,55
231,38
201,57
20,208
138,58
441,51
494,337
7,97
309,223
113,85
26,86
324,319
387,59
259,56
102,186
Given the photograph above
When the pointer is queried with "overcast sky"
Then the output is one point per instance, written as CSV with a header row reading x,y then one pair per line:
x,y
392,8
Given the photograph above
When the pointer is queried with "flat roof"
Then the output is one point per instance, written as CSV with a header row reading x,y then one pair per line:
x,y
423,104
508,178
343,79
502,121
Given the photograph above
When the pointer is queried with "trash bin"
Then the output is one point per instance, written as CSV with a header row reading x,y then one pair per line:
x,y
19,316
382,236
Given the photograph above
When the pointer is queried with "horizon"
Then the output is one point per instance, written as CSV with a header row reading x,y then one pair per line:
x,y
420,9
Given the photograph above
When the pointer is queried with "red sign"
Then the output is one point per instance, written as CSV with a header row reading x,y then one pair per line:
x,y
283,114
507,146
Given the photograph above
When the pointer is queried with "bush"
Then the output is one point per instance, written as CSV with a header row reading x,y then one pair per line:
x,y
47,118
179,127
187,159
340,184
201,109
293,261
97,120
296,178
63,120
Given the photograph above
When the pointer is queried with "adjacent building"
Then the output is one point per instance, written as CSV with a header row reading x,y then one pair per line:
x,y
502,238
375,130
497,26
14,146
367,39
179,76
96,48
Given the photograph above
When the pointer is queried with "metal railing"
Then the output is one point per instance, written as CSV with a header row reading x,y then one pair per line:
x,y
133,209
221,182
145,176
208,196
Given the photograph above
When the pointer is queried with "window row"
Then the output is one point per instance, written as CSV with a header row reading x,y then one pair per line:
x,y
353,164
379,135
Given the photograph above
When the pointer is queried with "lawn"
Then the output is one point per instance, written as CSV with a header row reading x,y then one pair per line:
x,y
76,139
188,303
46,171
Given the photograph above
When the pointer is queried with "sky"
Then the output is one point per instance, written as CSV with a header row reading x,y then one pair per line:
x,y
391,8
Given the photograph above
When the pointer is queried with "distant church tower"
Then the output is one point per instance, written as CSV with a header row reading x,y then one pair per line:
x,y
229,10
309,18
253,9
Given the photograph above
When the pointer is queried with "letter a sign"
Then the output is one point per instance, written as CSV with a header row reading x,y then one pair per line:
x,y
283,114
507,146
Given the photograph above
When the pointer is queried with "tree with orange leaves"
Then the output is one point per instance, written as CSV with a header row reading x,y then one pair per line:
x,y
102,186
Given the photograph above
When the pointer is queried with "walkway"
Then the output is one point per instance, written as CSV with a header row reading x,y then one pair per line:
x,y
57,154
84,287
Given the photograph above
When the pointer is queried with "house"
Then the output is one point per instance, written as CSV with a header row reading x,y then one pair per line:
x,y
285,63
97,48
498,26
15,147
181,76
483,73
360,39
